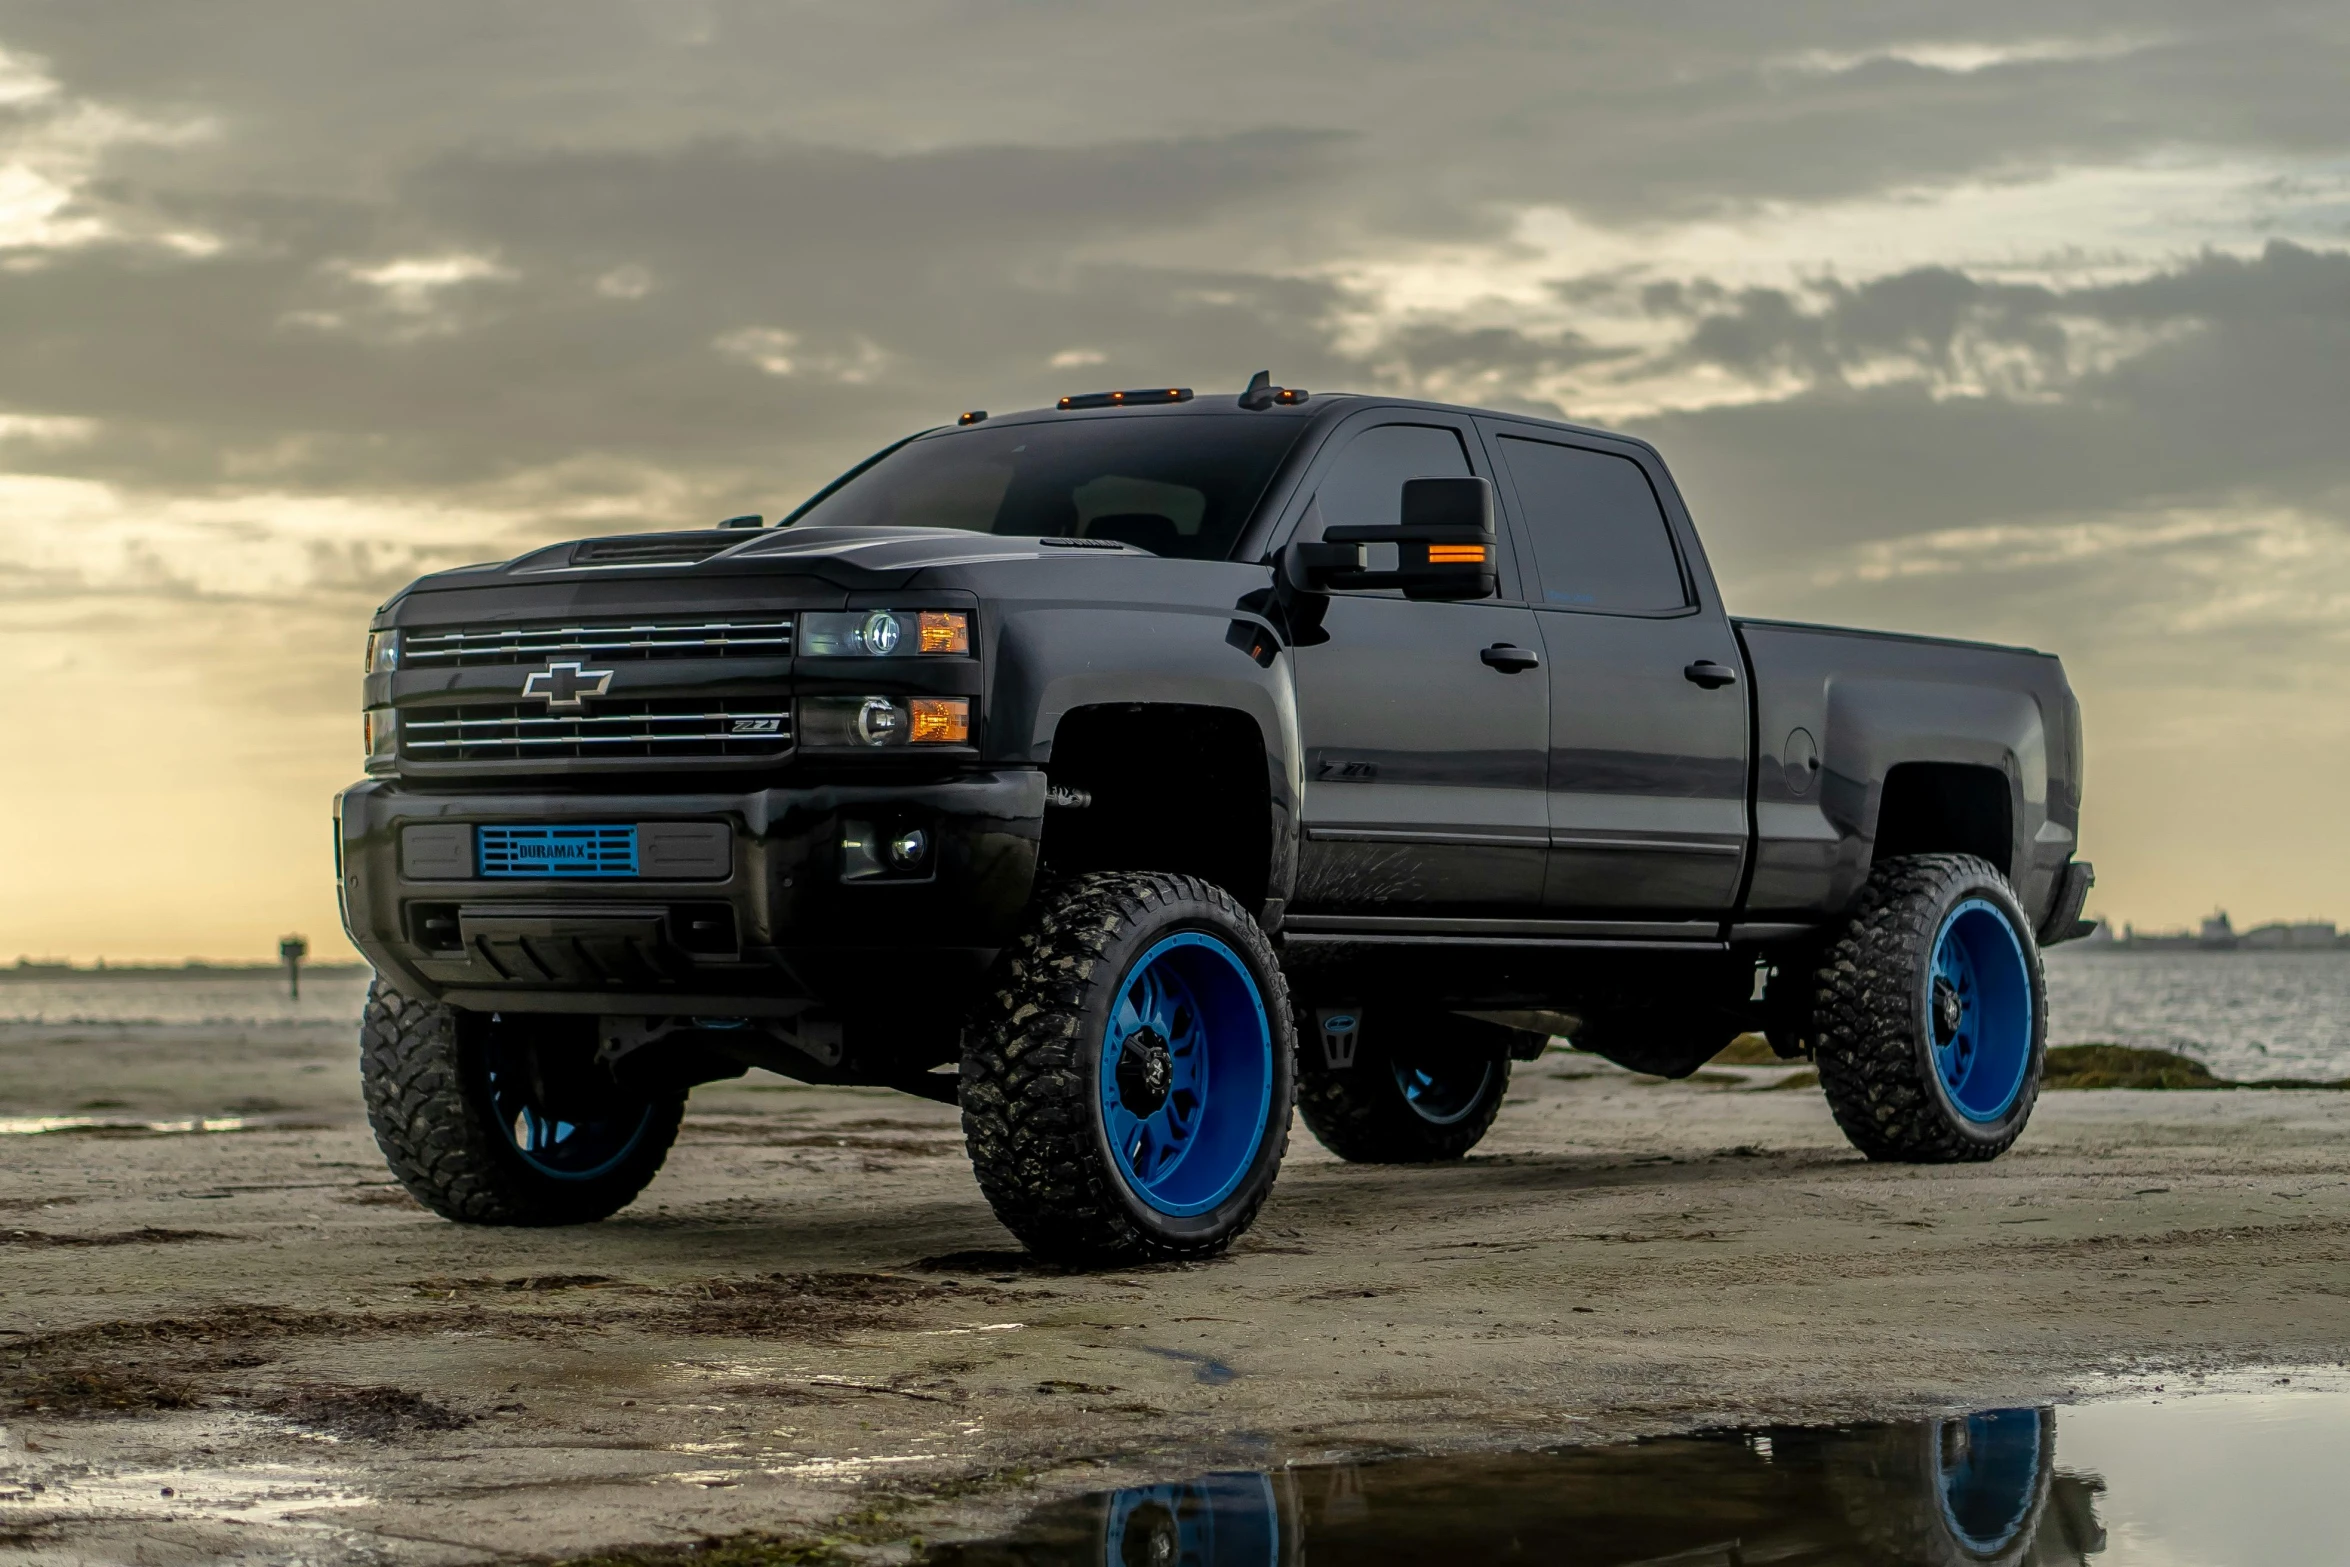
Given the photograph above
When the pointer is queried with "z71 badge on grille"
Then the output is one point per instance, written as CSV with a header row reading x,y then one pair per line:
x,y
567,685
757,726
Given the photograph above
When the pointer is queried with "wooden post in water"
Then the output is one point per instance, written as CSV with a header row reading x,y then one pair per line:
x,y
293,949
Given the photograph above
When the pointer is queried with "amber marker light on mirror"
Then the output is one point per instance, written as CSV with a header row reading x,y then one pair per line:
x,y
945,631
1456,554
942,720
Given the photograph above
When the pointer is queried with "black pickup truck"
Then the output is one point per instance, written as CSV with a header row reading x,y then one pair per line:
x,y
1129,771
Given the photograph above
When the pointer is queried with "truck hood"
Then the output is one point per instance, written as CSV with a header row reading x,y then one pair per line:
x,y
848,556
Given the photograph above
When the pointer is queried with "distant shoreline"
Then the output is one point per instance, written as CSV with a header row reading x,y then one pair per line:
x,y
36,972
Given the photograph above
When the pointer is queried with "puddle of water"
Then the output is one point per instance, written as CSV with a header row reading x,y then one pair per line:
x,y
2214,1480
30,1125
257,1493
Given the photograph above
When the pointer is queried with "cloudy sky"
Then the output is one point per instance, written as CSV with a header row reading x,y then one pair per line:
x,y
2022,321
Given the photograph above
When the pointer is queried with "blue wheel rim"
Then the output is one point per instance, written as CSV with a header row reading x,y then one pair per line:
x,y
1979,1011
1218,1520
1990,1474
1442,1095
562,1149
1186,1074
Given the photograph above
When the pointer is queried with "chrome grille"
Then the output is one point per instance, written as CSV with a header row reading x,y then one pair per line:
x,y
663,727
769,637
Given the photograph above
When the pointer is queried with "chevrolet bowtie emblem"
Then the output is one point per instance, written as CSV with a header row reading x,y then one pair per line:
x,y
567,685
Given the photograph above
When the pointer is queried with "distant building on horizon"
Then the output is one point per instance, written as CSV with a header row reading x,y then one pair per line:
x,y
2219,934
2296,936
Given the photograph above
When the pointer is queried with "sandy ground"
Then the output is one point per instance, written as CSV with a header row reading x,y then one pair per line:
x,y
247,1343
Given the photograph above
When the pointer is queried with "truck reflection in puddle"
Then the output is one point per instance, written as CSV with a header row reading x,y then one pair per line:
x,y
1978,1490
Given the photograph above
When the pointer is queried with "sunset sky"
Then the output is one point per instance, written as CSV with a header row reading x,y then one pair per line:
x,y
2019,321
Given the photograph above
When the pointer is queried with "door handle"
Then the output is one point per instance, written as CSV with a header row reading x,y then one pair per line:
x,y
1705,672
1509,659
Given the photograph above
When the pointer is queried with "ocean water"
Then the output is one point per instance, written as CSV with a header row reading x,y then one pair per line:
x,y
253,999
2245,1015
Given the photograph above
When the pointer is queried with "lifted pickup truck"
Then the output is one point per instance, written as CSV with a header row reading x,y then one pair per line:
x,y
1131,770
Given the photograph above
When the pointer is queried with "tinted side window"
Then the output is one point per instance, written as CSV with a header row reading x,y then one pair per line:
x,y
1365,489
1599,536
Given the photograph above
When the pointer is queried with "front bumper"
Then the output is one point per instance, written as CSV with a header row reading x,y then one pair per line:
x,y
754,921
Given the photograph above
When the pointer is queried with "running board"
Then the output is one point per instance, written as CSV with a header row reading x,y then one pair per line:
x,y
1388,929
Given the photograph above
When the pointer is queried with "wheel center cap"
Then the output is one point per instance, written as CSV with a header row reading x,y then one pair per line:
x,y
1144,1072
1949,1012
1153,1538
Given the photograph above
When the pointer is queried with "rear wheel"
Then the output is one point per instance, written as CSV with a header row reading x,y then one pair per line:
x,y
1207,1521
1968,1491
1931,1019
1415,1087
505,1119
1126,1089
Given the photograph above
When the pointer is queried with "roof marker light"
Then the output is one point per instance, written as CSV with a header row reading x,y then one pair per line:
x,y
1262,393
1148,394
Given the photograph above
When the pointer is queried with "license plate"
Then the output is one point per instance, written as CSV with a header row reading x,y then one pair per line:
x,y
557,851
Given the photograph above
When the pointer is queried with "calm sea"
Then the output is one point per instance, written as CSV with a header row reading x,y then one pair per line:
x,y
226,998
2243,1014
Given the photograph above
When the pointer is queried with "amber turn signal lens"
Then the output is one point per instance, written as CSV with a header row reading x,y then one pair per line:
x,y
945,631
1456,554
942,720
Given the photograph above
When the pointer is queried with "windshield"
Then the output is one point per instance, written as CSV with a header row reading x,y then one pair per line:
x,y
1182,487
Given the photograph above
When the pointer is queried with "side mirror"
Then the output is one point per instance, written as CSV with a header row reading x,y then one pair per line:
x,y
1445,547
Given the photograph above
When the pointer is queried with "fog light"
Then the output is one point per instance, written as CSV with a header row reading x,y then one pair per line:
x,y
909,848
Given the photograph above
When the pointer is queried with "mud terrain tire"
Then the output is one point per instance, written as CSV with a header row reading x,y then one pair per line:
x,y
1902,1085
1966,1492
1063,1014
1424,1087
425,1070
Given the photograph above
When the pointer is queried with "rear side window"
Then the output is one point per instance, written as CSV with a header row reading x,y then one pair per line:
x,y
1600,538
1365,489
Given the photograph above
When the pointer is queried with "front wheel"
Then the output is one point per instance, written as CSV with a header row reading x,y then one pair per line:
x,y
1931,1017
1126,1088
490,1119
1396,1086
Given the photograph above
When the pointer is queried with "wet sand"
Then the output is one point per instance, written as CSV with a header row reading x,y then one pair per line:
x,y
811,1324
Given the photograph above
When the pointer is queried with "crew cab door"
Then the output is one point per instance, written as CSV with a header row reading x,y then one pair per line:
x,y
1424,723
1648,731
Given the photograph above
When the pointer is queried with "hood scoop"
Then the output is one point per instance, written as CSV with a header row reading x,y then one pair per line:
x,y
651,549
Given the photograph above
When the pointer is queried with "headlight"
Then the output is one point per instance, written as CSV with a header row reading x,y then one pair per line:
x,y
383,652
885,633
871,722
379,729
